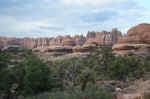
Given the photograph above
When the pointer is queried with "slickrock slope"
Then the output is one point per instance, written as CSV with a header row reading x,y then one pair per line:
x,y
136,41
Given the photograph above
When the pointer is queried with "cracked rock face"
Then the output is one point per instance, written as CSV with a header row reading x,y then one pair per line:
x,y
136,41
104,38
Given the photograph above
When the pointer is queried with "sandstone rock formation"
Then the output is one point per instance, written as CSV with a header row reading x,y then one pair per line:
x,y
63,43
79,40
139,90
59,40
68,41
1,45
29,43
104,38
90,43
91,35
136,41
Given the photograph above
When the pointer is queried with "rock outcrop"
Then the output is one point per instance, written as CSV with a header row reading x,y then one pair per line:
x,y
63,43
79,40
68,41
1,45
136,41
29,43
90,43
79,49
139,90
91,35
104,38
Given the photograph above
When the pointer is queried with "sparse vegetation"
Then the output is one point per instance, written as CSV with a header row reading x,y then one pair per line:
x,y
29,77
75,78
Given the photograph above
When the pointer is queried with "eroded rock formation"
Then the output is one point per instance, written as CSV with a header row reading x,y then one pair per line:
x,y
76,43
1,44
79,40
136,41
68,41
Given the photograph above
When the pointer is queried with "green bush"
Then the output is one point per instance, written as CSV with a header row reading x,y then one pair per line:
x,y
108,66
90,93
122,68
102,64
32,76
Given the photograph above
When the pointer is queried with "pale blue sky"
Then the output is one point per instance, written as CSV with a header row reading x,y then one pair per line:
x,y
47,18
145,3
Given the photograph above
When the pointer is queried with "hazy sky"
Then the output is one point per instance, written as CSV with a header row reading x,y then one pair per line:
x,y
35,18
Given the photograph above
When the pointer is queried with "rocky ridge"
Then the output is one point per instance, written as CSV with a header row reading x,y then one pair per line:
x,y
64,43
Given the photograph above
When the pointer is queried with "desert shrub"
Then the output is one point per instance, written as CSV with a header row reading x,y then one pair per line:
x,y
122,68
102,64
74,72
68,71
4,59
32,76
107,66
93,92
35,76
